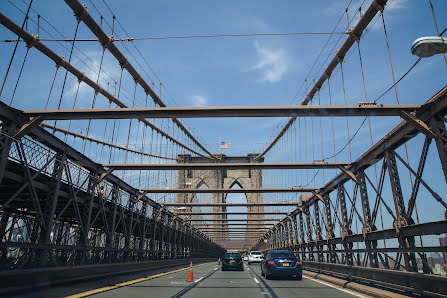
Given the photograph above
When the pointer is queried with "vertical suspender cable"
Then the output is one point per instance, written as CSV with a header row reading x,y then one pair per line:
x,y
15,49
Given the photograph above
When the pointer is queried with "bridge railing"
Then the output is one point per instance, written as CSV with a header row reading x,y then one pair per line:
x,y
60,208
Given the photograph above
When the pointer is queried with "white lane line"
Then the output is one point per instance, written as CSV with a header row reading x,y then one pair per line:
x,y
199,279
216,268
336,287
256,280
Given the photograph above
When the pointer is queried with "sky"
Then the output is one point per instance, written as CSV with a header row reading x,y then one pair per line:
x,y
236,71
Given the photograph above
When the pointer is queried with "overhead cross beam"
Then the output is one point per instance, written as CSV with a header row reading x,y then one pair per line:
x,y
231,219
219,112
228,190
230,213
230,204
227,166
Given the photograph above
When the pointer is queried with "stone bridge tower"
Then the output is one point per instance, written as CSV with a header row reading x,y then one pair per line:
x,y
225,179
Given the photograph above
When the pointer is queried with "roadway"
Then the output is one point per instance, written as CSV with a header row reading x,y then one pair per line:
x,y
210,281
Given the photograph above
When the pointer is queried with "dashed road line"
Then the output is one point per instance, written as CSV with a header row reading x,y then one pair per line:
x,y
123,284
256,280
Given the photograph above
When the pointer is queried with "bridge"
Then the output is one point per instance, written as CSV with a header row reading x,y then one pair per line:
x,y
105,190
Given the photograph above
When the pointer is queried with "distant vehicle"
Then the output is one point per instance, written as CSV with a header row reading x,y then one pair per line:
x,y
255,257
245,258
232,260
281,263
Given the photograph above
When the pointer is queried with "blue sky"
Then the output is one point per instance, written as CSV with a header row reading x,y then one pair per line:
x,y
243,70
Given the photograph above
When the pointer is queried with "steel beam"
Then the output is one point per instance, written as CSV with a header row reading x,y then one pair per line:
x,y
223,112
227,190
230,219
231,213
230,204
354,35
232,228
226,166
83,15
260,225
32,41
90,139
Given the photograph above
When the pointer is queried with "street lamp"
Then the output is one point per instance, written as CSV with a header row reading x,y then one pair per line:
x,y
428,46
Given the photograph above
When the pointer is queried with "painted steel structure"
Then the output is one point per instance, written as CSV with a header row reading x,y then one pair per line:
x,y
60,208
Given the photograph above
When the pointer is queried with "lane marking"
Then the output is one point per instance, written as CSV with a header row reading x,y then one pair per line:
x,y
199,279
123,284
336,287
256,280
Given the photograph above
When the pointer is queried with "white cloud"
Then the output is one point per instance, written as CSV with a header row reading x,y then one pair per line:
x,y
198,100
272,63
396,5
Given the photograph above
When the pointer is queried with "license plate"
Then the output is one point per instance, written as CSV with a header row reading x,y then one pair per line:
x,y
232,261
285,264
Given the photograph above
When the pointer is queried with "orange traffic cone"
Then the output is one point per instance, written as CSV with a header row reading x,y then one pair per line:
x,y
190,276
219,262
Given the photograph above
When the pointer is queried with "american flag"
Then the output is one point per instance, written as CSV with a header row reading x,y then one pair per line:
x,y
225,145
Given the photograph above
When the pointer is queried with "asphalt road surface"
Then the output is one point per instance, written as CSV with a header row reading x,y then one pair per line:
x,y
210,281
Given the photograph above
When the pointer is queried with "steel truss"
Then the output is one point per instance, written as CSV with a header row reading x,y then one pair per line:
x,y
321,228
58,208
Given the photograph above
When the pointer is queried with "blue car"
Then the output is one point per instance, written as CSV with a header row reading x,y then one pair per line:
x,y
281,263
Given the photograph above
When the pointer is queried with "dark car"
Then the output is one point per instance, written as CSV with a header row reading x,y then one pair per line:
x,y
281,263
232,260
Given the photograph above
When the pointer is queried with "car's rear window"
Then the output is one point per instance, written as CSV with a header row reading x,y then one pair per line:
x,y
256,253
282,254
232,255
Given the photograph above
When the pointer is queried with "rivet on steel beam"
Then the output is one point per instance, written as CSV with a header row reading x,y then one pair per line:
x,y
81,78
84,13
379,6
338,56
97,89
30,44
105,44
124,64
327,74
356,36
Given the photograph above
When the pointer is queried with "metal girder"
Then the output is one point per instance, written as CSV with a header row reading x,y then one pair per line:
x,y
31,40
219,112
441,142
418,124
230,204
227,190
231,213
90,139
83,15
401,134
260,225
226,166
233,228
27,127
354,35
231,219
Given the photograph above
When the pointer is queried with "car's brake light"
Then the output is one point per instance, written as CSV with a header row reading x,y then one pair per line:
x,y
240,261
271,263
298,263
